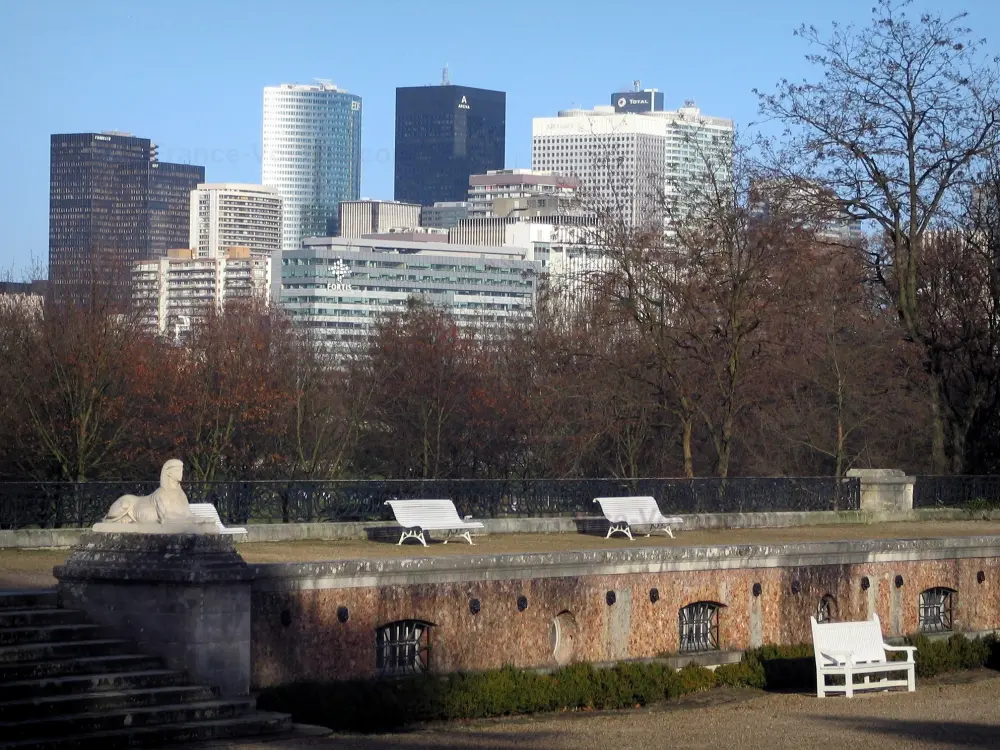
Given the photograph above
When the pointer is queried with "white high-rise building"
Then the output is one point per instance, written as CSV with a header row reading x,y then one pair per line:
x,y
311,155
174,291
626,161
225,215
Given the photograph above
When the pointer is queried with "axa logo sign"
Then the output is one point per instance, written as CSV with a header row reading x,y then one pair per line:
x,y
464,104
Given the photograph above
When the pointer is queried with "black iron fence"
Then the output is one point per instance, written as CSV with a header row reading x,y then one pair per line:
x,y
957,492
58,504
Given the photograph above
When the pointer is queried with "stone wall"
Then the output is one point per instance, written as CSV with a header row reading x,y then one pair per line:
x,y
317,621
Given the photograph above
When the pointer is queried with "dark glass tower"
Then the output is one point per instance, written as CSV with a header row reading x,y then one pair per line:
x,y
170,187
110,204
444,134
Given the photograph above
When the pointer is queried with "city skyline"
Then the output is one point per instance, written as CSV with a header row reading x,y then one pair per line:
x,y
214,120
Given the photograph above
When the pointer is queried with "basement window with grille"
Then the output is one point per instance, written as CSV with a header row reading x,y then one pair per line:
x,y
935,614
403,647
699,627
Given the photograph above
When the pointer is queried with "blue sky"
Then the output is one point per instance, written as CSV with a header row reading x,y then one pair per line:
x,y
190,75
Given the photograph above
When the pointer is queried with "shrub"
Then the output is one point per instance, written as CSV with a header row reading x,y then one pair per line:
x,y
954,653
379,705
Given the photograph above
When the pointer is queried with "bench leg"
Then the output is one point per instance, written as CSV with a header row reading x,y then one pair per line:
x,y
911,679
660,527
417,534
622,528
820,685
466,535
848,683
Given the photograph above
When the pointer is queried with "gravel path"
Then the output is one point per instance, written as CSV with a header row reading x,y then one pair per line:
x,y
961,711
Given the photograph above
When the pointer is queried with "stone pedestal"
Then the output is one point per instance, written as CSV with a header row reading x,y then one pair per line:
x,y
884,489
184,597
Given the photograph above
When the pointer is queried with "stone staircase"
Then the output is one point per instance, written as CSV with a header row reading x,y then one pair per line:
x,y
67,683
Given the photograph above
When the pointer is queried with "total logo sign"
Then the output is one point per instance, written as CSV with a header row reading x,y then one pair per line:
x,y
622,101
463,104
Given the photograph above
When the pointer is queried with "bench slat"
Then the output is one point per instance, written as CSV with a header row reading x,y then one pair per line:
x,y
635,511
209,511
437,514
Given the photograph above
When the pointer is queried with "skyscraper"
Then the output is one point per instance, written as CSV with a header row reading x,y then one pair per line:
x,y
312,155
170,187
627,160
444,134
111,203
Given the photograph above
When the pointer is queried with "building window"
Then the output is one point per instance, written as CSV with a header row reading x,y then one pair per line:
x,y
403,647
935,615
699,627
826,611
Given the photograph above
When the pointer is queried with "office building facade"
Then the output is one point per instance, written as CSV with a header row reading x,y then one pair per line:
x,y
512,188
170,187
337,287
225,215
630,163
358,218
444,214
444,134
174,291
112,203
311,155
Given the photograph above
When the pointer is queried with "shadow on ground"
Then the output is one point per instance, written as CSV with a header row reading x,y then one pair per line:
x,y
426,740
950,733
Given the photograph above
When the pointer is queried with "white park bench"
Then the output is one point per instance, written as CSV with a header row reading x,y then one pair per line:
x,y
856,648
208,512
418,516
625,512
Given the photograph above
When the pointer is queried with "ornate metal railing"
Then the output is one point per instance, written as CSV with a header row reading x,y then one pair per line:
x,y
956,491
58,504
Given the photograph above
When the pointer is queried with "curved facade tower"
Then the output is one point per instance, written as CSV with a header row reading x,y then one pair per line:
x,y
311,155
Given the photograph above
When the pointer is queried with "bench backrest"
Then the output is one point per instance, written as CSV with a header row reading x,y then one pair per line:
x,y
205,510
633,510
862,639
424,513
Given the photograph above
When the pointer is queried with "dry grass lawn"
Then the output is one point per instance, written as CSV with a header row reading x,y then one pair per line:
x,y
33,568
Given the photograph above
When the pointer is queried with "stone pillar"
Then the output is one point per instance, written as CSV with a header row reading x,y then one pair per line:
x,y
183,597
884,489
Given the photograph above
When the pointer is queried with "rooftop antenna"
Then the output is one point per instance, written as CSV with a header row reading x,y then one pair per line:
x,y
445,77
636,85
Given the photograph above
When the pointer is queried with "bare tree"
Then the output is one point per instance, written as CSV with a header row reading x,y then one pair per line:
x,y
893,129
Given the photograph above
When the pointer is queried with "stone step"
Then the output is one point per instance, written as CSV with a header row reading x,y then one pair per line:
x,y
200,731
19,618
76,724
28,670
67,650
60,705
90,683
24,599
51,634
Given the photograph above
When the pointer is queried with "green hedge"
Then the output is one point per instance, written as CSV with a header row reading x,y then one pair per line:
x,y
381,705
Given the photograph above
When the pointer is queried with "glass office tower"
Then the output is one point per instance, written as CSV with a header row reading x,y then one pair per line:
x,y
444,134
111,203
312,155
170,187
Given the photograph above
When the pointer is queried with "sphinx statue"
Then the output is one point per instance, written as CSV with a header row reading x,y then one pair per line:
x,y
165,510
